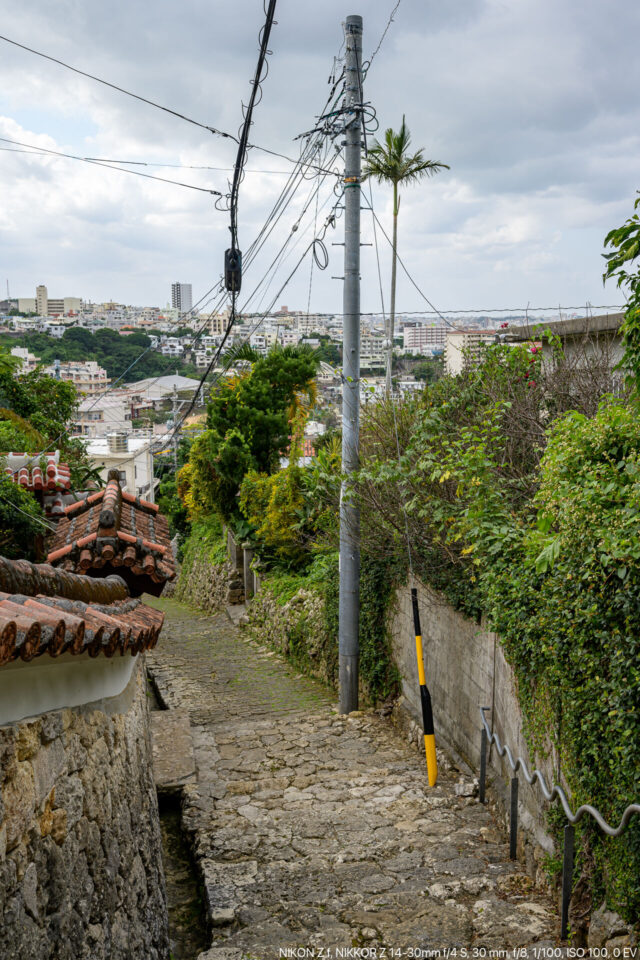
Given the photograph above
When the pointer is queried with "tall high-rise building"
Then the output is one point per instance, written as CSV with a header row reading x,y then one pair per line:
x,y
181,297
42,303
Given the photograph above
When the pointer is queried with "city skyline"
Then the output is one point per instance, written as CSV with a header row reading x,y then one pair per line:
x,y
530,106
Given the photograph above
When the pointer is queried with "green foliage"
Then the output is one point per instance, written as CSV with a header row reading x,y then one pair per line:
x,y
391,162
111,350
173,508
625,241
329,351
47,406
528,511
273,506
206,538
570,620
249,423
379,677
21,526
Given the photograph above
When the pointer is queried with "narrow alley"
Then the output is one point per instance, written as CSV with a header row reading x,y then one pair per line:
x,y
315,832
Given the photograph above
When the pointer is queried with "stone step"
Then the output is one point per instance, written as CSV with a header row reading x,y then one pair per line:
x,y
173,760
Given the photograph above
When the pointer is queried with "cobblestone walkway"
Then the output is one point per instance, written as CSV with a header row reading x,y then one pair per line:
x,y
317,833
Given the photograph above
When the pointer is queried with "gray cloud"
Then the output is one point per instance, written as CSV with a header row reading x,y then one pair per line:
x,y
533,104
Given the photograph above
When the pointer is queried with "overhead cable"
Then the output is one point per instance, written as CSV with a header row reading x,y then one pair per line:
x,y
100,163
114,86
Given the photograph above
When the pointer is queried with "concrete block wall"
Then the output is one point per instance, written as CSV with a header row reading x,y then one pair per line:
x,y
466,669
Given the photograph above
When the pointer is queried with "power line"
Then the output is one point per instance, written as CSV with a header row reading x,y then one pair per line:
x,y
39,520
100,163
114,86
473,310
152,103
169,439
380,42
246,126
150,163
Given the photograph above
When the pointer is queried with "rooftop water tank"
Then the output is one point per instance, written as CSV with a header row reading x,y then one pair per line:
x,y
118,442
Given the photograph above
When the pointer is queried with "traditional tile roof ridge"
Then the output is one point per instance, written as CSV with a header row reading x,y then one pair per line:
x,y
112,529
81,506
106,621
21,576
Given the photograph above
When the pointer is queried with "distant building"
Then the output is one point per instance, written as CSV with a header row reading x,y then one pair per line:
x,y
46,307
218,323
181,297
29,360
372,353
87,376
464,348
418,338
171,347
42,301
131,457
594,342
97,416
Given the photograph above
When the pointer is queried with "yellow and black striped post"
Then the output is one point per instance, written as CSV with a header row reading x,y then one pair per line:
x,y
425,698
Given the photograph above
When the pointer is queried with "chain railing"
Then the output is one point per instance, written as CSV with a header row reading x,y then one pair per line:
x,y
556,792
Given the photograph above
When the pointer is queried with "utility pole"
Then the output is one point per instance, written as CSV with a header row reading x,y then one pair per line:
x,y
349,512
175,428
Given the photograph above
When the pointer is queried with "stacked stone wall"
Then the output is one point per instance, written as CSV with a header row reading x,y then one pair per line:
x,y
295,629
203,583
80,859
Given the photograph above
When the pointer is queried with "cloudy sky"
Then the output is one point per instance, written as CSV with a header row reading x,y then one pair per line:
x,y
534,104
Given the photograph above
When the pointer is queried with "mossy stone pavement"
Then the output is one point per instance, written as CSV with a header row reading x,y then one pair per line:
x,y
317,834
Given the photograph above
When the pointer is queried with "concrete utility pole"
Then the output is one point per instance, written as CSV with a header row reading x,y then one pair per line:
x,y
175,429
349,512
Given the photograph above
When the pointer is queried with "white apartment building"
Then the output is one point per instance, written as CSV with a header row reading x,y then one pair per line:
x,y
312,323
131,457
464,347
98,416
288,338
372,352
56,330
87,376
419,338
171,347
29,360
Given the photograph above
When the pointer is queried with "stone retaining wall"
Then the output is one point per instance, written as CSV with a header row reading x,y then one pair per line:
x,y
203,583
466,669
296,630
80,866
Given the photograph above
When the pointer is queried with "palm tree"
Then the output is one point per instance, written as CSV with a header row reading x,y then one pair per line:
x,y
392,163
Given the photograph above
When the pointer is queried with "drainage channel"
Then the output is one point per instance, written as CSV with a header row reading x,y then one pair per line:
x,y
187,923
187,928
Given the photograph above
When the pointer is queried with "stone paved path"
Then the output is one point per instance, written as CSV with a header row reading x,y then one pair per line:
x,y
319,833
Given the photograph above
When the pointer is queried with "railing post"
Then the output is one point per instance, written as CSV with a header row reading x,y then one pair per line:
x,y
483,765
567,878
513,832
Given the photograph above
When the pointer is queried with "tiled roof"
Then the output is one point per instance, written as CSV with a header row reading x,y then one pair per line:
x,y
30,475
114,532
32,624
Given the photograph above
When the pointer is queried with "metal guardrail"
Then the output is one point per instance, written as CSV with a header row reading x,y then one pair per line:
x,y
556,792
